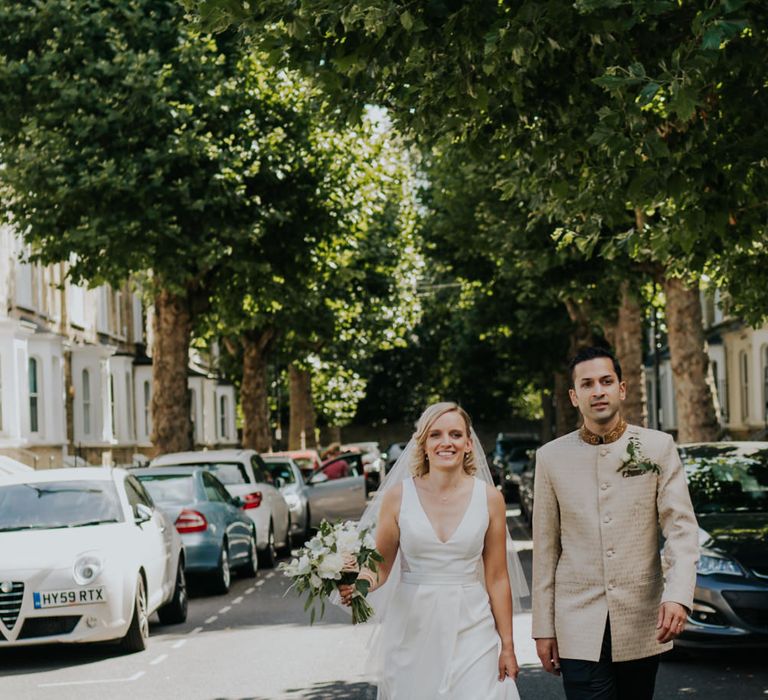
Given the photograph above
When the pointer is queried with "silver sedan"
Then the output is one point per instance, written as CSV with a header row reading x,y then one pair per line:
x,y
336,491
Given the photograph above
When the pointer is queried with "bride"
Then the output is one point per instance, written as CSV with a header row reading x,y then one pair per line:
x,y
443,594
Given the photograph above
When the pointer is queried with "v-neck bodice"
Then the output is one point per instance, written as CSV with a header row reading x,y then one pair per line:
x,y
424,552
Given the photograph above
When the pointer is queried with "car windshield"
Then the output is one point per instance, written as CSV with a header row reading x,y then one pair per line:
x,y
177,489
725,479
282,470
57,504
226,472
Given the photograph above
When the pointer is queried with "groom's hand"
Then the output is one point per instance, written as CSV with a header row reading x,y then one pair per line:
x,y
671,621
546,648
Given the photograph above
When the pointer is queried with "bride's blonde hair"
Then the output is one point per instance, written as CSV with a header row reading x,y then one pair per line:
x,y
420,465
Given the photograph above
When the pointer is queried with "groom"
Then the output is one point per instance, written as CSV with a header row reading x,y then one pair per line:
x,y
604,608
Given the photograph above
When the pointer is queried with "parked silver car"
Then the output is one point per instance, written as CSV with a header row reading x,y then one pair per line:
x,y
244,475
336,491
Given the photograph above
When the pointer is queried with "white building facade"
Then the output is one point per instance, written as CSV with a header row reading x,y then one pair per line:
x,y
76,371
738,360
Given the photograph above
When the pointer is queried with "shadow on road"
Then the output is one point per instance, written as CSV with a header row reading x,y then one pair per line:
x,y
51,657
334,690
330,690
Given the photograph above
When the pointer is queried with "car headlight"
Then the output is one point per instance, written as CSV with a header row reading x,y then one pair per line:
x,y
712,563
87,567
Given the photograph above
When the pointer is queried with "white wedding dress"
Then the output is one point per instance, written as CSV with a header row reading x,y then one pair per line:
x,y
439,639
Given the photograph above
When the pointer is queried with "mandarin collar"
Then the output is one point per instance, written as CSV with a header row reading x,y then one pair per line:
x,y
594,439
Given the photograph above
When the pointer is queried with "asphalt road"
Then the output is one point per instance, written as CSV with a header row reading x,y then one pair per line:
x,y
256,644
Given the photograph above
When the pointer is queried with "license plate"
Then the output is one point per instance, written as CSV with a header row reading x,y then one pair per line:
x,y
62,599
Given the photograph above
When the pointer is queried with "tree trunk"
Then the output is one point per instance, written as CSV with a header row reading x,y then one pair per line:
x,y
566,415
696,419
171,421
548,409
626,337
301,432
254,393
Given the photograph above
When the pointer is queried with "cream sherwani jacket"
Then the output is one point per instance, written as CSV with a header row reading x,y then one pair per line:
x,y
596,544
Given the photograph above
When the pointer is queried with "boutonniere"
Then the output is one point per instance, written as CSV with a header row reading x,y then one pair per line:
x,y
634,462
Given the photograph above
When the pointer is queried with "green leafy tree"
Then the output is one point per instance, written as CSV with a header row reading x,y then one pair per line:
x,y
636,116
132,143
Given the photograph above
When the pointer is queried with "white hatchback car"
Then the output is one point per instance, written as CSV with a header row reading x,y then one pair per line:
x,y
245,476
85,557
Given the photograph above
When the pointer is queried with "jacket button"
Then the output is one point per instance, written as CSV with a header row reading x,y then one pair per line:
x,y
607,519
611,586
603,452
603,486
610,552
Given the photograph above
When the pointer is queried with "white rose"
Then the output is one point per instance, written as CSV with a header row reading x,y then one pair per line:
x,y
369,542
348,541
315,581
331,565
626,457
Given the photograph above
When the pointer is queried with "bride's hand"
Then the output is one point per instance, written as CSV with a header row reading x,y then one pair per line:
x,y
508,664
346,592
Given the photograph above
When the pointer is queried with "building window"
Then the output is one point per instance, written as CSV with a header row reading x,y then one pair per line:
x,y
147,408
112,403
129,404
86,402
193,413
744,384
223,416
34,396
765,386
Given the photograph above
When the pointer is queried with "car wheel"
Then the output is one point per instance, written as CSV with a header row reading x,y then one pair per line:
x,y
222,576
135,638
252,564
307,527
285,550
174,612
268,556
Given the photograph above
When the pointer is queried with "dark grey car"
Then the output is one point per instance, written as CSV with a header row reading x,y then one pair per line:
x,y
728,482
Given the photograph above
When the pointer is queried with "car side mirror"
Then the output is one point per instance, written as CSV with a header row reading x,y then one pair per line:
x,y
238,502
141,513
318,478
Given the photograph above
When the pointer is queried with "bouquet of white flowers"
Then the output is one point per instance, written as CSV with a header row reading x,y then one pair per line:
x,y
333,557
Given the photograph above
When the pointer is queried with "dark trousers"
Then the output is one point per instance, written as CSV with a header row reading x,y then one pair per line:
x,y
609,680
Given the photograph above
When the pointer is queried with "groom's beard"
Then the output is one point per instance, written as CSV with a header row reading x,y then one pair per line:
x,y
605,418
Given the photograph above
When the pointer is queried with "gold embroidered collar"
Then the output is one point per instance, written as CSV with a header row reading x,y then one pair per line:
x,y
594,439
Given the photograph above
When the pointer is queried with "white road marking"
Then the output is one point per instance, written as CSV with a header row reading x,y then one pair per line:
x,y
179,644
158,660
260,583
132,678
250,590
211,619
225,609
196,630
270,574
237,600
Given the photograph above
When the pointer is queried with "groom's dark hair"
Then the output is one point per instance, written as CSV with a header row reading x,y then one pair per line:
x,y
591,353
